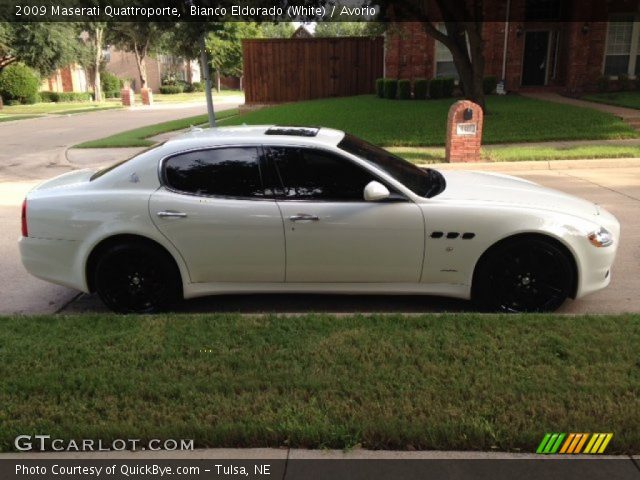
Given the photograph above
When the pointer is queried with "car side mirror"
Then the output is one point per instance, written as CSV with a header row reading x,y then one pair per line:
x,y
375,191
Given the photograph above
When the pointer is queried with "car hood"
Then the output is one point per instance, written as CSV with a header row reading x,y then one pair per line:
x,y
505,189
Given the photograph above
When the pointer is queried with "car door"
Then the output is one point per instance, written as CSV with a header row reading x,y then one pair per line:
x,y
213,208
332,234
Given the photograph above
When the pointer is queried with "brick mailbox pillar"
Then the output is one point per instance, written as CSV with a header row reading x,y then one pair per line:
x,y
147,96
464,132
127,96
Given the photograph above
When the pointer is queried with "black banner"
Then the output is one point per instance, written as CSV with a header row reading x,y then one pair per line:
x,y
565,468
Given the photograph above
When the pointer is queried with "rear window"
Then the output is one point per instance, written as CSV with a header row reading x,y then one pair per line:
x,y
106,170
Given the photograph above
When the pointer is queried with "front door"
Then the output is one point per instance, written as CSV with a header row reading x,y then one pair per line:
x,y
214,211
332,234
536,52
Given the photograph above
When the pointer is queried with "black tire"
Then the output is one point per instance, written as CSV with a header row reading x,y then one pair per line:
x,y
525,274
136,277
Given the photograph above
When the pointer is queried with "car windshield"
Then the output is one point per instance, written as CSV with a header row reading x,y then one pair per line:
x,y
424,182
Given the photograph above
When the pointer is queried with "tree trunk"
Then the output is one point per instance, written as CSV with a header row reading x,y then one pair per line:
x,y
141,54
189,72
218,81
97,85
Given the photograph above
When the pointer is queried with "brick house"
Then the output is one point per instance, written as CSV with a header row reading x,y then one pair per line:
x,y
71,78
553,54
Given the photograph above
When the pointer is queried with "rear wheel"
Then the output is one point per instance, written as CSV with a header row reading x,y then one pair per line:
x,y
523,275
136,277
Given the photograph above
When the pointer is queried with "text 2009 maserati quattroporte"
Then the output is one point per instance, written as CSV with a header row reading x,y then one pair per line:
x,y
291,209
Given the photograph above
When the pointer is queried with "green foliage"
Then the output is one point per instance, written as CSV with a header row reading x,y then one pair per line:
x,y
390,88
19,83
110,83
436,88
420,88
49,97
349,29
171,89
380,87
198,86
603,83
489,85
277,30
624,83
74,97
404,89
448,86
225,46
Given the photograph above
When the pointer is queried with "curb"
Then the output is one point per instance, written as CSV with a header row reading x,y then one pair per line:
x,y
538,165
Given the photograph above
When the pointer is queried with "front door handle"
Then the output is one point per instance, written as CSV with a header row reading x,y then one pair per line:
x,y
171,214
298,217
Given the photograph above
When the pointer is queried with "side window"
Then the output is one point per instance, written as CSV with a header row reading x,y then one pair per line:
x,y
227,172
309,174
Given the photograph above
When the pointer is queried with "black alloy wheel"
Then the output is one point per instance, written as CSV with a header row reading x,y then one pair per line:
x,y
137,278
523,275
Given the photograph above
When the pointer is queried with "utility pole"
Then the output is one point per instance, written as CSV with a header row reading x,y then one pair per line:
x,y
207,80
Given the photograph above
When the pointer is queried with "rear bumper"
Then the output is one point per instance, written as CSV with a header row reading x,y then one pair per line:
x,y
53,261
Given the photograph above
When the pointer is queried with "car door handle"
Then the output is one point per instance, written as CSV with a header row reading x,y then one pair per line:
x,y
303,216
171,214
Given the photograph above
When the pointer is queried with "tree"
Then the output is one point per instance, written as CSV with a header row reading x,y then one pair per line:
x,y
463,20
95,39
277,30
42,46
140,38
348,29
225,47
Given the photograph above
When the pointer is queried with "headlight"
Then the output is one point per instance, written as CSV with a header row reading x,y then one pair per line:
x,y
601,238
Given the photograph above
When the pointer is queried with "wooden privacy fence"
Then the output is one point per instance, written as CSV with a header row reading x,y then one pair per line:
x,y
292,69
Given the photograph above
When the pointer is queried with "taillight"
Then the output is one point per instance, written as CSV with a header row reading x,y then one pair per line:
x,y
25,231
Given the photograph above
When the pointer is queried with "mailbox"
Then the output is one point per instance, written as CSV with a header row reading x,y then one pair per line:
x,y
464,132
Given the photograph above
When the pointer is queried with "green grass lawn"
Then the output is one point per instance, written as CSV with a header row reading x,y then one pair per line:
x,y
454,382
183,97
138,137
622,99
9,118
58,108
422,155
414,123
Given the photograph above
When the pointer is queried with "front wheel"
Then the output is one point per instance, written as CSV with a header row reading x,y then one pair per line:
x,y
523,275
137,278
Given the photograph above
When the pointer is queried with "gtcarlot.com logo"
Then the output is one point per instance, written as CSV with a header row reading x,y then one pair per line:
x,y
574,443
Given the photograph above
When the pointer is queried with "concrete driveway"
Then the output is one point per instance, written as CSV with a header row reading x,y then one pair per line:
x,y
33,150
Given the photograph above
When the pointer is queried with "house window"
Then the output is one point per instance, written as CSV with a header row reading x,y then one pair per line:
x,y
622,46
444,59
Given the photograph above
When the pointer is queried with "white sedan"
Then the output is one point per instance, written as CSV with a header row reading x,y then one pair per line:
x,y
294,209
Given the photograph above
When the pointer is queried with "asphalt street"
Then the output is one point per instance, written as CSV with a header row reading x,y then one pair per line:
x,y
34,150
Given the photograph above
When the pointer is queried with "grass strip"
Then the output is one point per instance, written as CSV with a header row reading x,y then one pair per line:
x,y
10,118
138,136
452,382
621,99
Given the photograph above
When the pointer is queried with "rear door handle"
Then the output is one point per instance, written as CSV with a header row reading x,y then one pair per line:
x,y
171,214
298,217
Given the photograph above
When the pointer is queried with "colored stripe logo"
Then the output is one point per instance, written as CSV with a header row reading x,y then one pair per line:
x,y
574,443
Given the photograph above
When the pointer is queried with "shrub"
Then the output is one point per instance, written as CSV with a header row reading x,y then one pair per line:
x,y
436,88
19,83
49,97
390,88
31,99
448,85
603,83
489,85
74,97
404,89
171,89
420,88
109,82
198,86
623,82
380,87
112,94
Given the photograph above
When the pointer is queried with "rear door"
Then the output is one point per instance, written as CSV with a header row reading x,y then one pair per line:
x,y
213,208
332,234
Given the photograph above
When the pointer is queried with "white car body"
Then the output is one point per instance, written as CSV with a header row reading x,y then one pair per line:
x,y
227,245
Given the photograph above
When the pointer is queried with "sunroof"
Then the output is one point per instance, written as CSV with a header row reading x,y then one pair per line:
x,y
293,131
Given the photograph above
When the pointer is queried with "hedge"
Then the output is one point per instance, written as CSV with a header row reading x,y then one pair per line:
x,y
380,87
390,88
436,88
171,89
420,88
448,85
489,85
404,89
74,97
19,83
109,82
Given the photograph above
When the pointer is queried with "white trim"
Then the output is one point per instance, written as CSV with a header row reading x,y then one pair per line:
x,y
634,51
